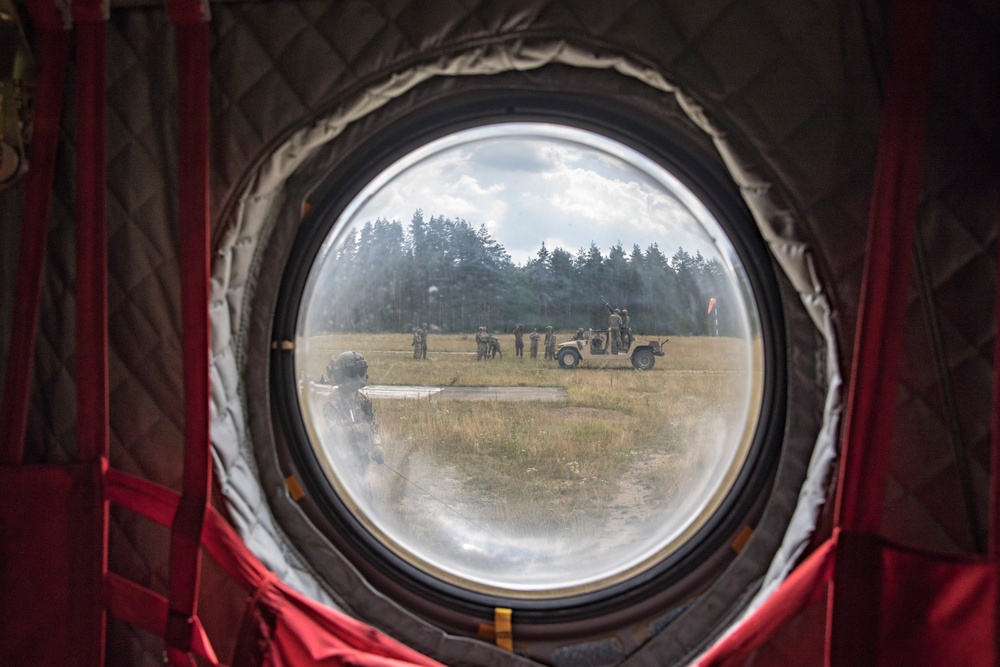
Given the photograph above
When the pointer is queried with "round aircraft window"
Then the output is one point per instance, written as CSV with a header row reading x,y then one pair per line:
x,y
530,364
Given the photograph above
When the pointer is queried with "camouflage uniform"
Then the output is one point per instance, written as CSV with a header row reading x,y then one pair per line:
x,y
596,343
416,343
349,414
482,343
423,330
519,341
550,343
534,343
626,330
494,347
615,330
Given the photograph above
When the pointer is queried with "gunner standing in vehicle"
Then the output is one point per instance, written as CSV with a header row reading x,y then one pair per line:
x,y
615,330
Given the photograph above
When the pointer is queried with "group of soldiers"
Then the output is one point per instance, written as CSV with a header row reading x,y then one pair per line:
x,y
488,345
619,329
348,412
533,338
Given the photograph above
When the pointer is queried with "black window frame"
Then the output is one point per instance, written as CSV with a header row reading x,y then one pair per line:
x,y
678,148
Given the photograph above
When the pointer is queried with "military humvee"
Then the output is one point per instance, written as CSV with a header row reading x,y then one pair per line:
x,y
595,348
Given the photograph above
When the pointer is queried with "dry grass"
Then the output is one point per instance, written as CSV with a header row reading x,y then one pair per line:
x,y
621,437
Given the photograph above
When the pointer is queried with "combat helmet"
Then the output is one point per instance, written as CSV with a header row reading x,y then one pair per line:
x,y
349,370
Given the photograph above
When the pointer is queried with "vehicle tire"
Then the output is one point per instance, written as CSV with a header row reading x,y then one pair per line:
x,y
643,360
568,358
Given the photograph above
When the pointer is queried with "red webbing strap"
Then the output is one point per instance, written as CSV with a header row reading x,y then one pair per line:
x,y
127,600
804,586
34,230
149,499
148,610
51,520
159,504
89,19
994,544
296,631
941,612
871,400
92,413
190,18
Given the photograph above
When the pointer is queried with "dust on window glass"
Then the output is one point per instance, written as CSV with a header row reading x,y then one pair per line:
x,y
529,360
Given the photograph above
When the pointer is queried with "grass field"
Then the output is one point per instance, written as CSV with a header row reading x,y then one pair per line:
x,y
628,454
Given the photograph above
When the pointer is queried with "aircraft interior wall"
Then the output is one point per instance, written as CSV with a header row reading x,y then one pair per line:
x,y
781,104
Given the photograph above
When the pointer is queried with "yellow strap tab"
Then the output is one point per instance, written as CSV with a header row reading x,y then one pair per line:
x,y
294,488
505,635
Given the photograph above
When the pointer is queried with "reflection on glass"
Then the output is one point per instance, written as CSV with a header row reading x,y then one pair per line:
x,y
480,446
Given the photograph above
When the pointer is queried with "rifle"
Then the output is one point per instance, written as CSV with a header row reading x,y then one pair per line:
x,y
607,305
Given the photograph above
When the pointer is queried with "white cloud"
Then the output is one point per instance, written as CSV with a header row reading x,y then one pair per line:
x,y
528,188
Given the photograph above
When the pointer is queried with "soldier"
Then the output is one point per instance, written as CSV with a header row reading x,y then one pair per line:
x,y
424,330
597,344
482,343
626,329
579,335
519,341
349,413
550,343
494,347
416,343
615,330
534,343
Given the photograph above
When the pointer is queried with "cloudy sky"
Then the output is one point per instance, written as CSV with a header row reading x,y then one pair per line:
x,y
535,183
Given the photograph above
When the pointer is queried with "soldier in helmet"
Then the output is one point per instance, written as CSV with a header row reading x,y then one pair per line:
x,y
420,349
615,330
494,347
482,343
626,330
519,340
349,414
550,343
416,343
534,343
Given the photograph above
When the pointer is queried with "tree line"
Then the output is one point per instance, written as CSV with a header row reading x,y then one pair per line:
x,y
455,277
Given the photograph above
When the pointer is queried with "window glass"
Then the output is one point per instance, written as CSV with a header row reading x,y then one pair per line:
x,y
473,445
